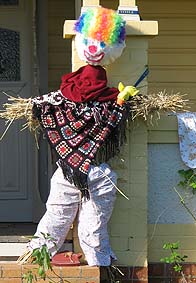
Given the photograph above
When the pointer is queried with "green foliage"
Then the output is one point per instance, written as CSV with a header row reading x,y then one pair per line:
x,y
29,277
188,179
174,258
41,257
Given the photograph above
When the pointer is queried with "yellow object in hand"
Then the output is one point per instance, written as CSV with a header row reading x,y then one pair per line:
x,y
125,93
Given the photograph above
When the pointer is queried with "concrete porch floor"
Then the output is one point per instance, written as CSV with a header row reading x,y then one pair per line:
x,y
14,237
16,232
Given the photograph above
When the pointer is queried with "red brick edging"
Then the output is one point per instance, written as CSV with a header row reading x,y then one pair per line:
x,y
164,273
12,273
155,273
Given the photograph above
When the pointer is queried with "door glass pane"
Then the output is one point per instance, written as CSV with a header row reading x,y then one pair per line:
x,y
9,55
9,2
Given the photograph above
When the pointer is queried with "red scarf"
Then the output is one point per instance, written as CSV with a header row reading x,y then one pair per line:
x,y
89,83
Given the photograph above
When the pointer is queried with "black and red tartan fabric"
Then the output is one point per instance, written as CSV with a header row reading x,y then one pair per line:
x,y
77,132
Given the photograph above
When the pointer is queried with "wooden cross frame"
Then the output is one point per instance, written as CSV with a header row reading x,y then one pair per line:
x,y
128,3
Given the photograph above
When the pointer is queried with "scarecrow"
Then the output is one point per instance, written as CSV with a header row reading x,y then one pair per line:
x,y
84,122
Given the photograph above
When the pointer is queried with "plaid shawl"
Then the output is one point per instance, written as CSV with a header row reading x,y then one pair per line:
x,y
77,132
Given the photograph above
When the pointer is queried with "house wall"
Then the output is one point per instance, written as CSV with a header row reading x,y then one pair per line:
x,y
172,63
109,4
59,50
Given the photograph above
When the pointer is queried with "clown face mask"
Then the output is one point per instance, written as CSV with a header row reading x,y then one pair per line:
x,y
96,52
100,36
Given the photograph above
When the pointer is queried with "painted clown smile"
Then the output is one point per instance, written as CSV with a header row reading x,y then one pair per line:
x,y
94,58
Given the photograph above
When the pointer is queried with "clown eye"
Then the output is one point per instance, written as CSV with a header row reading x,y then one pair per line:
x,y
102,44
85,41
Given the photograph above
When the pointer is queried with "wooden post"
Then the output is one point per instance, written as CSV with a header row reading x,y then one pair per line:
x,y
128,10
128,3
87,3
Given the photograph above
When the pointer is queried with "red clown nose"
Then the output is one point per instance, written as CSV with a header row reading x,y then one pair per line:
x,y
92,49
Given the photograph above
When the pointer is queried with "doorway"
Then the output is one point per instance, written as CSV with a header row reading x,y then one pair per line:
x,y
17,149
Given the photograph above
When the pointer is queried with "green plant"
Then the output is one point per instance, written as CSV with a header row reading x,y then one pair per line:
x,y
41,257
174,258
189,179
29,277
188,182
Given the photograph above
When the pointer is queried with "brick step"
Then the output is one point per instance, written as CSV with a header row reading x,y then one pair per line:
x,y
12,273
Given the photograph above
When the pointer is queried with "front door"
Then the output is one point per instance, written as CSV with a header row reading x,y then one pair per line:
x,y
17,149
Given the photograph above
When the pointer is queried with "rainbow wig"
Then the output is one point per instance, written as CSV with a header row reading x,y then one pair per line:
x,y
101,24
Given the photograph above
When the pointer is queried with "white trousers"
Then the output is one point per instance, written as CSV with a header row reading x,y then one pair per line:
x,y
62,206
